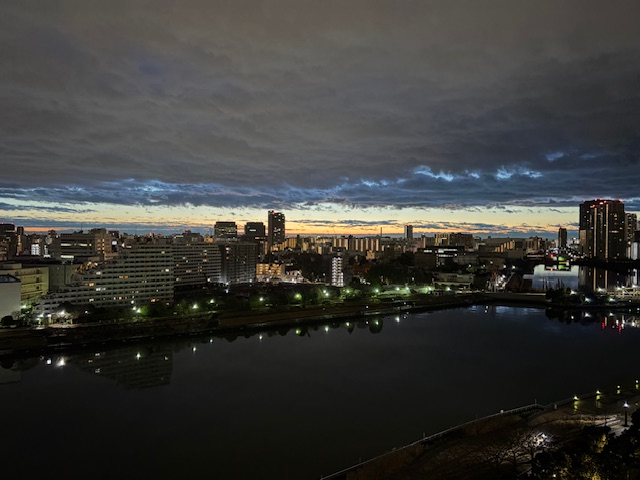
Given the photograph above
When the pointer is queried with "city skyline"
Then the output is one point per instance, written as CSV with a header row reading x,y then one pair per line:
x,y
494,119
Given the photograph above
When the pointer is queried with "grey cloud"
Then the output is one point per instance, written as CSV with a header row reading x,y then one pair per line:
x,y
36,208
247,105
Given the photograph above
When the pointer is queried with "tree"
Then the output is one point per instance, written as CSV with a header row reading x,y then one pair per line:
x,y
8,321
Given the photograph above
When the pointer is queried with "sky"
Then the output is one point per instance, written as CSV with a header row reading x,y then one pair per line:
x,y
489,117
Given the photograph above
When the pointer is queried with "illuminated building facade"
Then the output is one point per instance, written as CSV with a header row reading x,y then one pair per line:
x,y
83,246
8,241
276,230
239,260
630,226
337,273
254,231
34,280
196,263
225,230
269,272
141,274
602,229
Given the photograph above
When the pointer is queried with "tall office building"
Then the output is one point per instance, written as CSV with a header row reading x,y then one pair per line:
x,y
562,237
630,226
275,234
602,229
9,247
408,232
7,229
254,231
225,230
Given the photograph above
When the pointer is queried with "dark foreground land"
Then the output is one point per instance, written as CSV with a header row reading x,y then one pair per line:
x,y
535,441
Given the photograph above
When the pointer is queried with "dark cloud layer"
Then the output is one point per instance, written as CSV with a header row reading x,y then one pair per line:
x,y
282,104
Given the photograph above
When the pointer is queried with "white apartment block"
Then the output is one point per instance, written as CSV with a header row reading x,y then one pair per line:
x,y
337,275
142,274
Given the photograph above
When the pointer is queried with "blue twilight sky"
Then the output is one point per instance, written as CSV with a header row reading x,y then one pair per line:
x,y
350,116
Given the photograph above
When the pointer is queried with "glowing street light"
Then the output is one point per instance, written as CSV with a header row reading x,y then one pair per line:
x,y
626,411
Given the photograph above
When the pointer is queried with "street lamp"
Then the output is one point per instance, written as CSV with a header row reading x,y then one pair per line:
x,y
626,411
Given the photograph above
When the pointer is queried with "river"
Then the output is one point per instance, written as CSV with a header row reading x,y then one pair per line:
x,y
296,404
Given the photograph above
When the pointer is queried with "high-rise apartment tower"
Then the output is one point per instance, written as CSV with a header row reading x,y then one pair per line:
x,y
275,233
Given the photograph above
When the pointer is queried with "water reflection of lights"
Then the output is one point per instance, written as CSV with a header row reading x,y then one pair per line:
x,y
326,328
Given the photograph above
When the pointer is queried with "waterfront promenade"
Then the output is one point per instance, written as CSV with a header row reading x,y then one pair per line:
x,y
16,341
58,336
500,445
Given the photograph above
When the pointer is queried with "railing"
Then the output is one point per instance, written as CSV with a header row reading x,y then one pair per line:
x,y
535,407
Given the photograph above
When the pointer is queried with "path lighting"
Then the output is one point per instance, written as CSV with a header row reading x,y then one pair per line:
x,y
626,411
575,398
195,306
262,299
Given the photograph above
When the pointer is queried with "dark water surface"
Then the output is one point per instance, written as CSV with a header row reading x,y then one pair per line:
x,y
297,405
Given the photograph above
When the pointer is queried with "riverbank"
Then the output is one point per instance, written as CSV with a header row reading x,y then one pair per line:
x,y
18,341
36,340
